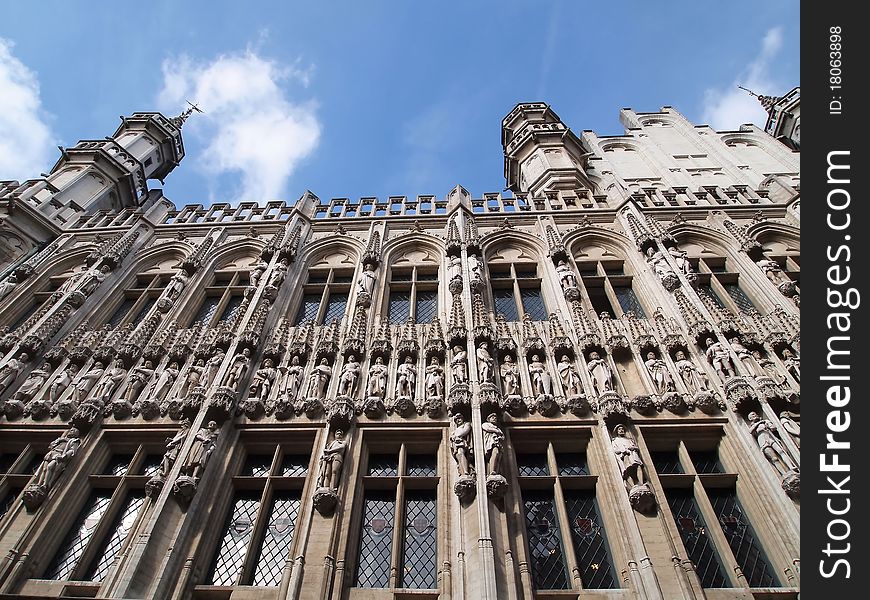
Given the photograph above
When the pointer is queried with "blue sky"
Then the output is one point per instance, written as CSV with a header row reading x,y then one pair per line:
x,y
370,98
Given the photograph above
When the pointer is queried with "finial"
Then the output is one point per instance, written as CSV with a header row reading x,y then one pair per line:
x,y
766,101
180,119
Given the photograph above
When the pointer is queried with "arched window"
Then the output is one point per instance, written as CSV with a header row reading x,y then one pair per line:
x,y
515,281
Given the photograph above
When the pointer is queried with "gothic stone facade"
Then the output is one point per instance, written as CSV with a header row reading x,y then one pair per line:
x,y
588,387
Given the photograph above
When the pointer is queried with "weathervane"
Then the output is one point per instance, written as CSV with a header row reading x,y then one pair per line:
x,y
766,101
180,119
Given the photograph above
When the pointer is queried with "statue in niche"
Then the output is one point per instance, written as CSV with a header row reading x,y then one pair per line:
x,y
238,368
139,376
695,380
720,358
16,405
292,377
493,444
455,268
659,264
791,426
377,387
319,379
475,269
331,461
9,371
93,278
510,377
257,272
570,377
792,364
61,382
769,368
60,452
406,378
772,271
87,381
8,285
434,379
682,259
542,384
173,448
114,375
484,362
70,282
461,445
279,272
567,279
365,283
743,354
203,446
767,437
658,371
195,373
459,365
602,376
261,384
628,455
349,377
177,284
213,365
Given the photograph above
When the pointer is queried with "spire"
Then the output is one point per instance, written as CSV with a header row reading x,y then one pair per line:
x,y
185,114
767,102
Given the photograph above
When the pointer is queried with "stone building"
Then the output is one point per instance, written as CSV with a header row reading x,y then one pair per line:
x,y
588,387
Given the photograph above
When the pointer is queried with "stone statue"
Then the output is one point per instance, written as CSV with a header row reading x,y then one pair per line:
x,y
510,377
279,272
570,378
628,455
177,284
742,353
349,376
493,444
377,387
791,426
257,272
7,286
70,282
204,444
9,371
238,368
768,368
87,381
542,383
602,376
61,382
114,375
566,276
139,376
261,384
474,268
60,452
461,445
695,380
720,358
767,438
792,364
682,259
484,362
656,260
293,378
34,382
772,271
458,365
434,379
406,378
194,376
319,379
331,461
164,382
365,283
93,278
455,268
658,371
173,448
213,365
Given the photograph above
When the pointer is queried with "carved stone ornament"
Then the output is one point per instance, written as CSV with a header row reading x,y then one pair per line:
x,y
631,465
675,402
222,403
576,405
644,404
340,412
60,452
459,398
204,444
740,394
329,474
708,402
462,449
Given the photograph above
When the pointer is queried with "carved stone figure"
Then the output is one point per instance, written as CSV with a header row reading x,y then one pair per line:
x,y
767,438
331,461
769,368
542,383
570,378
194,376
61,382
772,271
365,283
377,387
659,264
261,384
602,376
60,452
455,268
257,272
203,445
475,269
9,371
238,368
406,378
484,362
87,381
139,376
791,426
293,378
93,278
319,379
349,376
510,377
177,284
114,375
695,380
792,364
628,455
658,371
279,272
566,276
461,444
682,260
7,286
434,379
173,448
459,365
70,282
720,358
34,382
493,444
743,354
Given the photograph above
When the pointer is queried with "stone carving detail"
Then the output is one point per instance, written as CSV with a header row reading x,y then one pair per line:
x,y
510,377
376,389
792,364
628,456
347,381
365,284
568,281
318,381
718,356
20,401
204,443
790,422
434,384
10,370
170,456
60,452
571,382
459,365
767,437
485,362
681,258
656,260
260,390
461,447
329,474
493,448
602,376
660,374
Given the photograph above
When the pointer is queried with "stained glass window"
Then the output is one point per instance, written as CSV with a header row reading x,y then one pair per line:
x,y
276,540
545,542
116,537
419,554
235,540
73,546
376,541
696,539
590,543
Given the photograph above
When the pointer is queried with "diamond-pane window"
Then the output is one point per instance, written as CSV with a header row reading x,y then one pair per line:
x,y
118,465
121,312
143,311
383,465
739,297
72,548
294,465
308,309
572,463
257,465
376,541
532,465
666,462
533,303
706,461
400,306
422,465
276,541
699,546
420,564
207,309
742,539
590,543
505,304
545,542
233,305
707,289
151,465
235,540
628,300
427,304
335,308
116,537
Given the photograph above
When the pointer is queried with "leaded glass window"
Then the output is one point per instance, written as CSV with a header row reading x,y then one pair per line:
x,y
139,299
427,306
572,464
376,541
696,539
721,284
117,535
706,461
533,303
276,540
73,546
257,465
294,465
207,309
532,465
151,465
505,304
628,300
308,309
232,307
590,544
547,557
335,308
235,540
400,306
121,312
383,465
413,295
740,298
422,465
420,546
118,465
666,462
517,291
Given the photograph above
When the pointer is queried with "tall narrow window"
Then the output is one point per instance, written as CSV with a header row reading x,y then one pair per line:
x,y
139,298
696,538
223,297
516,291
549,571
376,541
609,288
414,294
235,540
590,545
118,533
722,285
325,296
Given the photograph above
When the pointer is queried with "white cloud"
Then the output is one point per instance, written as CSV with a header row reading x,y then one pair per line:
x,y
250,126
26,141
730,107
